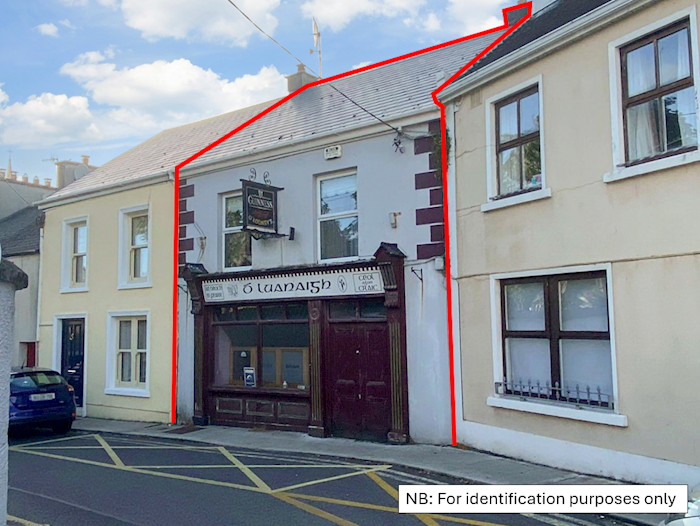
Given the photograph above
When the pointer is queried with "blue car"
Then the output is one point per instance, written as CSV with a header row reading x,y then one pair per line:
x,y
41,397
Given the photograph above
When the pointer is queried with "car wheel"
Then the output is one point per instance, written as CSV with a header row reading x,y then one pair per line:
x,y
63,427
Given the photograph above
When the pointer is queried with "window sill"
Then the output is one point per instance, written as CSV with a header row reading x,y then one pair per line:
x,y
543,193
69,290
128,391
625,172
139,285
551,409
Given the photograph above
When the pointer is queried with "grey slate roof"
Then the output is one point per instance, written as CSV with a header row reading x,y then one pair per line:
x,y
550,18
19,232
391,91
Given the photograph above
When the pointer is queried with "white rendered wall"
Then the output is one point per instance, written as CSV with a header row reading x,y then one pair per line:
x,y
7,342
25,306
185,356
427,353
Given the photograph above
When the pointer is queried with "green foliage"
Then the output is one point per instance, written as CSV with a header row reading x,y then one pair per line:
x,y
437,153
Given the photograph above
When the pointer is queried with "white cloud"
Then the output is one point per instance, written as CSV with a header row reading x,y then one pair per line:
x,y
472,16
49,30
432,23
66,23
214,21
130,102
74,3
361,65
336,14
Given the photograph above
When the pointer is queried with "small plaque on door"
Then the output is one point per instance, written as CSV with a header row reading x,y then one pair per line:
x,y
249,376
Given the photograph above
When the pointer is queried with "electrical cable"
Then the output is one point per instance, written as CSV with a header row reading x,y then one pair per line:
x,y
399,132
15,191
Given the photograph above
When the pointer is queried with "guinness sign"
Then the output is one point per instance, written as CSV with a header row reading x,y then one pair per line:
x,y
259,209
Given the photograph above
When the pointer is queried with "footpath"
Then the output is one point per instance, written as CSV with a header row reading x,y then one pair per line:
x,y
474,466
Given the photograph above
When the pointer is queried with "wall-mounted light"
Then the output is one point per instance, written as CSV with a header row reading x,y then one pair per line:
x,y
394,219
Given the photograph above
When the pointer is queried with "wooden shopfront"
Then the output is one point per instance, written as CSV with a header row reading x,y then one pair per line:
x,y
318,349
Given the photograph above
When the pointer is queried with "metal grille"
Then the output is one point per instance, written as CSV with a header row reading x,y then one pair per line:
x,y
576,395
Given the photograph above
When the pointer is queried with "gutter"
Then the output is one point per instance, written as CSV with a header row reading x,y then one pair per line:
x,y
599,18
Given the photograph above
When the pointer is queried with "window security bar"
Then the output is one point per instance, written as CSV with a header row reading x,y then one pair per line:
x,y
576,395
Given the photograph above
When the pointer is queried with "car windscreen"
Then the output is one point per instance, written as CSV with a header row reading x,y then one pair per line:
x,y
35,380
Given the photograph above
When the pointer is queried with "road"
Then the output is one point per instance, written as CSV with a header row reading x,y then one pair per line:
x,y
112,480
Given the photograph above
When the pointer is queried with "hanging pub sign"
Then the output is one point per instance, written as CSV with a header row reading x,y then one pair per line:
x,y
259,208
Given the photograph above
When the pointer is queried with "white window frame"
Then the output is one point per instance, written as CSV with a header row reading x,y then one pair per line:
x,y
619,170
491,143
125,280
546,407
225,230
67,285
112,386
320,218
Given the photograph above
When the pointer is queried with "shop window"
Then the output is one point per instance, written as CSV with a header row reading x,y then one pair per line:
x,y
236,348
272,312
236,243
285,355
297,311
338,217
371,308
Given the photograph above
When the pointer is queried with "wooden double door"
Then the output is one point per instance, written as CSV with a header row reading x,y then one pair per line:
x,y
359,380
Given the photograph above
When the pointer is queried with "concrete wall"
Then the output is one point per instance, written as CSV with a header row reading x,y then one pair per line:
x,y
103,297
644,227
25,306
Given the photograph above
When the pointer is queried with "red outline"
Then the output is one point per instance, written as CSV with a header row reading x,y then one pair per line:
x,y
173,415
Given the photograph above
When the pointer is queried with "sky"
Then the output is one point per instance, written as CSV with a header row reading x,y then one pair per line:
x,y
97,77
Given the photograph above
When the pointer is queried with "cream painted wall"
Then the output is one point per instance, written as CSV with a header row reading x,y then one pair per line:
x,y
646,226
103,297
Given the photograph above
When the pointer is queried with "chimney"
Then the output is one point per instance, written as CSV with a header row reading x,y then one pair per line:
x,y
299,79
86,160
35,182
25,178
47,182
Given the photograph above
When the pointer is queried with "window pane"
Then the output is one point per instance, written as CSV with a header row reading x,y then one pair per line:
x,y
373,308
80,239
125,367
139,231
674,58
339,238
125,334
142,367
293,367
525,307
530,114
339,195
286,335
272,312
225,314
583,305
586,364
241,339
509,176
237,250
297,311
234,211
644,130
247,313
532,165
79,269
342,309
681,123
641,70
141,334
528,363
269,366
508,122
141,262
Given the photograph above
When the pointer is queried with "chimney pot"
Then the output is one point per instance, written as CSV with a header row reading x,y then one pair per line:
x,y
299,79
86,159
25,178
47,181
36,180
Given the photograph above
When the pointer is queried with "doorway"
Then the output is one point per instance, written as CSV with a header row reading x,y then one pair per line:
x,y
72,365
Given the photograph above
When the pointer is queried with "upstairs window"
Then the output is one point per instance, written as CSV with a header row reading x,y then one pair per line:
x,y
658,95
134,247
338,217
138,252
518,154
236,242
79,254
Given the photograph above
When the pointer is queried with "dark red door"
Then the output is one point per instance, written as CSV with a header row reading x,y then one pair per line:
x,y
360,380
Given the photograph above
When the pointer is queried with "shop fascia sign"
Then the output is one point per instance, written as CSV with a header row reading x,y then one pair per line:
x,y
351,282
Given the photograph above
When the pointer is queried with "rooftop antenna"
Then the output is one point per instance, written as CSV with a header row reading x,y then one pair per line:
x,y
50,159
317,45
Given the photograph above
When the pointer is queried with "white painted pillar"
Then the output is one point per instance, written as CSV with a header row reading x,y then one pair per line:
x,y
11,280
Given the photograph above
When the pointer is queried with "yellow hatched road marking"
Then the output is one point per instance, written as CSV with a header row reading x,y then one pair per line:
x,y
256,466
460,520
350,503
248,473
24,522
315,511
52,440
424,518
115,458
329,479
